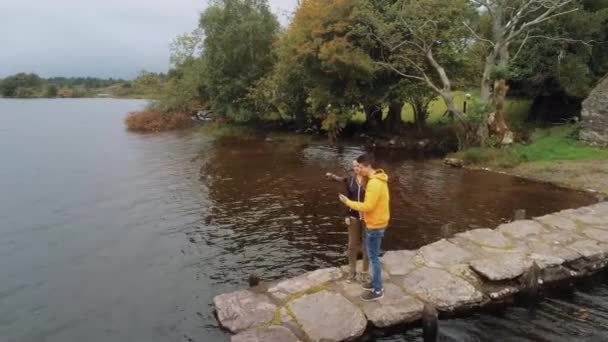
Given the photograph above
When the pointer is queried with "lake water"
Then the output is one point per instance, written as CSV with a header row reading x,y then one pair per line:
x,y
107,235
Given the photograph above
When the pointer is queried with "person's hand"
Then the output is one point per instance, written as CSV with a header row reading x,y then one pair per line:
x,y
347,221
343,198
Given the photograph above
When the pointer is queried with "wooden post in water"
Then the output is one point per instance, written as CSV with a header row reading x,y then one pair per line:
x,y
430,324
520,214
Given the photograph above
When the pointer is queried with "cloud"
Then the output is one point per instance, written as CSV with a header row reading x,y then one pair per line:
x,y
103,38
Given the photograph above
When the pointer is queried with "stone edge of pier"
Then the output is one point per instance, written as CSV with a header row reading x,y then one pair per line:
x,y
472,269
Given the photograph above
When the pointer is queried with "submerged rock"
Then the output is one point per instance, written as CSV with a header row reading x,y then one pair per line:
x,y
327,316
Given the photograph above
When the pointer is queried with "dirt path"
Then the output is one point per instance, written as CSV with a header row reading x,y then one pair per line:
x,y
578,174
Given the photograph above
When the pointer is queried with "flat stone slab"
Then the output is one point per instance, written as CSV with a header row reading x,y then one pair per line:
x,y
557,222
589,249
395,308
328,316
241,310
502,266
271,334
399,263
443,253
289,287
561,237
548,255
487,237
521,229
600,208
445,291
585,217
596,234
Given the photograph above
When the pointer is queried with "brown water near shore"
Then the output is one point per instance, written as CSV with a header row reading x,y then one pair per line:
x,y
107,235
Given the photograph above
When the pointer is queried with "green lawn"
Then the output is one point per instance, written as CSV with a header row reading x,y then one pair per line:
x,y
549,144
516,109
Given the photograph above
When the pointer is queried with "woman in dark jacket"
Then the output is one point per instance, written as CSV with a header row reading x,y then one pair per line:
x,y
355,190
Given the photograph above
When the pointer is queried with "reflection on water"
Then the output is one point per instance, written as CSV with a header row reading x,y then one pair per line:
x,y
111,236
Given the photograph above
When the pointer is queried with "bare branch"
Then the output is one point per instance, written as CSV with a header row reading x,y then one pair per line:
x,y
478,36
568,40
521,46
547,15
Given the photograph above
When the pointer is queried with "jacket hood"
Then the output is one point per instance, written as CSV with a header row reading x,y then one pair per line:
x,y
379,175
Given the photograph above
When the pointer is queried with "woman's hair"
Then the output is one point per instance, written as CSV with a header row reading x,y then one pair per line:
x,y
367,159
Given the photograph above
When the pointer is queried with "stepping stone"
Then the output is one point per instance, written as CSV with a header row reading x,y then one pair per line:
x,y
445,291
289,287
399,263
521,229
487,237
584,217
443,253
548,255
395,308
346,269
557,222
596,234
561,237
328,316
502,266
589,249
271,334
241,310
600,209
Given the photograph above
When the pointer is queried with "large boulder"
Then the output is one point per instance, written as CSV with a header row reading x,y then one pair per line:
x,y
594,116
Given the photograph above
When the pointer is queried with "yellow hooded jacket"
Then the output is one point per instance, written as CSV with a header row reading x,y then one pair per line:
x,y
375,205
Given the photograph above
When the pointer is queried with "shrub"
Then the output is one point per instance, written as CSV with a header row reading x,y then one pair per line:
x,y
157,121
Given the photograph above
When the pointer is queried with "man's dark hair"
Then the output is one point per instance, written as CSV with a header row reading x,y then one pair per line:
x,y
367,160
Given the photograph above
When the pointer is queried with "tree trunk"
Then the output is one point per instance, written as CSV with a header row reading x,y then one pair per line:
x,y
498,125
486,79
421,113
373,116
393,120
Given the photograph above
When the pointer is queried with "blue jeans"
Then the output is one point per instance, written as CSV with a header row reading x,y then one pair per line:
x,y
373,239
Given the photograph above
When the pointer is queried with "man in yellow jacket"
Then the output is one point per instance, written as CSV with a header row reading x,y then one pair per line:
x,y
376,214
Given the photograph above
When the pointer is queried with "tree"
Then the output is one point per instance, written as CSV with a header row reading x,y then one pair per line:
x,y
513,21
422,41
238,52
28,83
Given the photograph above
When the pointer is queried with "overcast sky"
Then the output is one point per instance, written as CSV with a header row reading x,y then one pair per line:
x,y
102,38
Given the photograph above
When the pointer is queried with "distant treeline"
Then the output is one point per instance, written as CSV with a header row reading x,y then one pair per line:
x,y
30,85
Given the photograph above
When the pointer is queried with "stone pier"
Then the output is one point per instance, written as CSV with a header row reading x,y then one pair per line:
x,y
467,271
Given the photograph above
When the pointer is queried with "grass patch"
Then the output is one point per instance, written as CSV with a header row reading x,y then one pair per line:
x,y
551,144
229,130
517,110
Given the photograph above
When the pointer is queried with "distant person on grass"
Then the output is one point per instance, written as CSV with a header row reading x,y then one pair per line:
x,y
375,209
355,190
